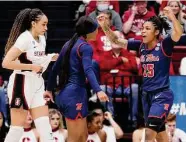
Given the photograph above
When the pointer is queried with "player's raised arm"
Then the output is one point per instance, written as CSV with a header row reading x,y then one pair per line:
x,y
109,33
177,29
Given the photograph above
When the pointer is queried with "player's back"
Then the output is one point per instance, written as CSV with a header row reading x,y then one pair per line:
x,y
77,73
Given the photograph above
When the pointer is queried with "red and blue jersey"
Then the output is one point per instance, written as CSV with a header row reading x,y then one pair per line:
x,y
156,64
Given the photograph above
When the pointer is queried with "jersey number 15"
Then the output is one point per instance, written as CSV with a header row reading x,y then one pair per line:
x,y
148,70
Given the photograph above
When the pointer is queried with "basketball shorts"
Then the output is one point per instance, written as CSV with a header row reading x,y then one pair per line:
x,y
26,91
72,102
157,104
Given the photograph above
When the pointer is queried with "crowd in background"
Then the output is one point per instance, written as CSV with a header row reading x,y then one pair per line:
x,y
111,59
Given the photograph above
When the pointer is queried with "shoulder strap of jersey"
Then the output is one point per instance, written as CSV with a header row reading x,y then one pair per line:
x,y
141,46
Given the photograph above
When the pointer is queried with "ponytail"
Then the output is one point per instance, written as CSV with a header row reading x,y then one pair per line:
x,y
66,62
19,26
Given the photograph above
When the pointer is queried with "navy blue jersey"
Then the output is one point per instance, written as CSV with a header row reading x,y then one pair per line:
x,y
156,64
80,66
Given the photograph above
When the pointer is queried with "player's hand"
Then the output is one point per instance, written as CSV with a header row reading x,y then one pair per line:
x,y
167,11
55,57
102,96
107,115
48,96
134,9
36,68
101,19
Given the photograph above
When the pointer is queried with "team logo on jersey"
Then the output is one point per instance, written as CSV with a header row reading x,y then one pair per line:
x,y
157,48
79,106
26,139
17,101
56,139
158,44
166,106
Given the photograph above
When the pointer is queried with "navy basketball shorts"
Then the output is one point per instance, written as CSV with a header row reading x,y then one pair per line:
x,y
157,104
72,102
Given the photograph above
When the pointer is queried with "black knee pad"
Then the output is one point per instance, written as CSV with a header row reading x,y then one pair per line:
x,y
162,128
156,124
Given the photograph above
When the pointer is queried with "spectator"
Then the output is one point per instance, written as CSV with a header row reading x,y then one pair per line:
x,y
125,64
92,6
59,133
164,4
177,10
183,66
103,6
174,134
3,128
134,18
102,43
94,124
30,133
4,99
139,134
111,128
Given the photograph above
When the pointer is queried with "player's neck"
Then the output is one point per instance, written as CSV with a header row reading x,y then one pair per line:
x,y
27,128
35,36
152,44
55,129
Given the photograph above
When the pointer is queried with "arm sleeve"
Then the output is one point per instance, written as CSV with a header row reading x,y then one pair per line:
x,y
55,70
86,52
134,45
167,45
22,42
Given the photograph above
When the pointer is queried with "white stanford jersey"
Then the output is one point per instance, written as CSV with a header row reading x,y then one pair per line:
x,y
58,136
93,138
28,136
33,51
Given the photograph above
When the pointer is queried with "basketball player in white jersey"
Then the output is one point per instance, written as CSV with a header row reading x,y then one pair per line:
x,y
56,122
30,134
94,124
139,134
25,55
113,131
